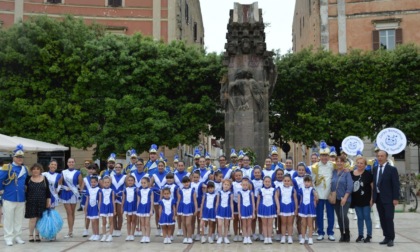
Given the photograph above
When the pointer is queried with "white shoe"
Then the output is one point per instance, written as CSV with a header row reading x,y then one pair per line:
x,y
306,238
197,237
128,238
19,240
310,241
96,238
314,233
168,241
377,226
300,237
109,239
290,240
190,240
219,240
270,241
283,239
245,241
265,240
254,237
103,238
249,240
185,241
91,237
302,241
337,226
210,240
137,233
277,237
226,240
165,241
85,233
235,238
172,238
203,239
147,240
180,232
142,239
320,238
331,238
261,237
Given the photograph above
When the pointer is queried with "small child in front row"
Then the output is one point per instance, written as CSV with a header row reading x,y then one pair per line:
x,y
92,209
208,211
224,211
144,208
307,207
129,206
289,208
187,208
167,213
106,208
246,210
267,203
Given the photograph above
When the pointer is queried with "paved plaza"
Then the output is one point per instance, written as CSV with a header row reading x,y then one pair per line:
x,y
407,239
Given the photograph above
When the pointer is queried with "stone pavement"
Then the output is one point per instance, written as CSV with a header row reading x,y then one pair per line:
x,y
407,239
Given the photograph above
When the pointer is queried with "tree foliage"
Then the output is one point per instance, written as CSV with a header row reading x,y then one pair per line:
x,y
321,95
63,81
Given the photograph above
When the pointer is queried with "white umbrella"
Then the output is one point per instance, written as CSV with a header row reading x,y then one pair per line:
x,y
8,143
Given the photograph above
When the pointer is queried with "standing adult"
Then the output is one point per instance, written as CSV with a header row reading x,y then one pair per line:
x,y
386,188
342,184
361,198
84,172
275,164
226,171
151,165
110,166
196,165
209,166
233,159
38,199
12,180
322,172
133,159
70,183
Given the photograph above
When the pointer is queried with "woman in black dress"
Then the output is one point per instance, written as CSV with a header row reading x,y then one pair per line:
x,y
362,198
38,199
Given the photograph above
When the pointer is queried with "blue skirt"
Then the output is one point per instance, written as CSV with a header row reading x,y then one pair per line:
x,y
92,212
224,213
307,210
166,219
106,210
186,209
246,212
130,208
267,211
209,214
144,210
287,210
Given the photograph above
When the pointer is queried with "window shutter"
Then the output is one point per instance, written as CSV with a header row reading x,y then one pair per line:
x,y
375,39
398,36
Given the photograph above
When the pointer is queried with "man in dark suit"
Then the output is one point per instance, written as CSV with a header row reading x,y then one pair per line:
x,y
386,192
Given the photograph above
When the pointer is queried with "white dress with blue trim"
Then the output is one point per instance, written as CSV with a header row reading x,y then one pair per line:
x,y
307,206
246,204
209,207
287,201
186,204
106,208
145,204
92,211
224,209
167,215
267,206
130,203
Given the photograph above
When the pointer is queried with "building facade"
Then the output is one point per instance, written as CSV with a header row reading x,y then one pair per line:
x,y
342,25
165,20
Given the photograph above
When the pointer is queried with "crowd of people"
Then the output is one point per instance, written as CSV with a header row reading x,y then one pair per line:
x,y
202,200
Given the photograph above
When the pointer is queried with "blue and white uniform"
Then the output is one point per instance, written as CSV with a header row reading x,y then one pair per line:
x,y
145,203
92,211
118,184
224,209
287,201
130,203
268,173
87,186
267,206
138,176
217,186
247,172
277,184
236,187
291,172
204,174
151,167
174,190
167,215
246,208
70,192
159,179
198,188
186,204
307,206
298,183
227,172
178,176
53,179
209,207
257,184
106,209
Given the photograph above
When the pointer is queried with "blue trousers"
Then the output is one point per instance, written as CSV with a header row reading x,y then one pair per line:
x,y
320,217
363,216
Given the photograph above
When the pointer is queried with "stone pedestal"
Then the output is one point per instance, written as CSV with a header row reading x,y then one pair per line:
x,y
246,88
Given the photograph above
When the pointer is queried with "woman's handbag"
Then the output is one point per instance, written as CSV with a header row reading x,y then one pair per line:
x,y
332,197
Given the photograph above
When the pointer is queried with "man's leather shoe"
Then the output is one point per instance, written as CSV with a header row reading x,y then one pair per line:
x,y
385,241
390,243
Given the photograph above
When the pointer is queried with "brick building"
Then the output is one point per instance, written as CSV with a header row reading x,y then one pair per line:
x,y
161,19
342,25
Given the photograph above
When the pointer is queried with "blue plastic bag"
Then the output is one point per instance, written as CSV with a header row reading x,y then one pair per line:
x,y
50,224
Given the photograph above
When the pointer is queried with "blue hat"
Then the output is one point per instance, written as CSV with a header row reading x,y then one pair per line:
x,y
197,154
153,148
18,151
323,148
208,155
133,153
274,150
162,157
241,154
333,153
359,153
233,153
112,157
176,159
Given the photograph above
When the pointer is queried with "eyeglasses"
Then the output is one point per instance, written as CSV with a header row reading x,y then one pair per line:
x,y
139,164
222,160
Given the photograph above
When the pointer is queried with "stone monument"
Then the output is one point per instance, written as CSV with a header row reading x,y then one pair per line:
x,y
246,88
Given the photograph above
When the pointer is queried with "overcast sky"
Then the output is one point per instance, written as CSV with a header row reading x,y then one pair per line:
x,y
279,13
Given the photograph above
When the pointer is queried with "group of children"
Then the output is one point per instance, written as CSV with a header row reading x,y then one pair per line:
x,y
200,204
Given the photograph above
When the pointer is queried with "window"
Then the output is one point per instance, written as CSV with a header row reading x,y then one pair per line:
x,y
195,32
387,39
115,3
54,1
